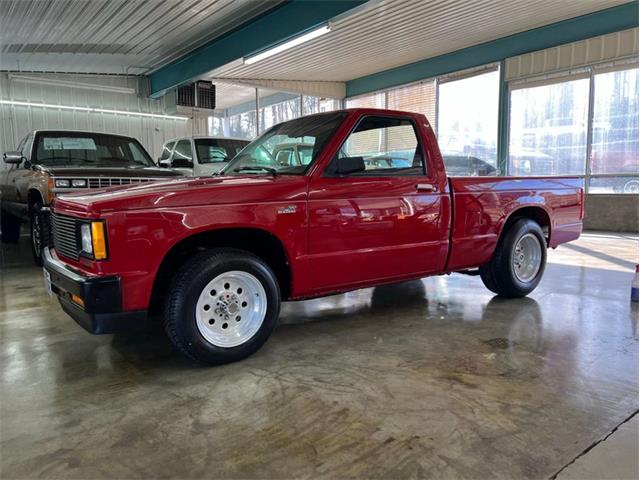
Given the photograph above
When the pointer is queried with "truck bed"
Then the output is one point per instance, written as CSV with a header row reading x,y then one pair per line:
x,y
482,204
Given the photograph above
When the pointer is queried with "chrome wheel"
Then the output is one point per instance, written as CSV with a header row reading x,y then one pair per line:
x,y
231,309
527,258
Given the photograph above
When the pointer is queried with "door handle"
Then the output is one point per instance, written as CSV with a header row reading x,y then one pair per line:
x,y
425,187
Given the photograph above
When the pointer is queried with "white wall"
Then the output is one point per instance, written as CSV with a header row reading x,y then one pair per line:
x,y
17,121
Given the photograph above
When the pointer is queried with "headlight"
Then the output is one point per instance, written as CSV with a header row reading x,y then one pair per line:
x,y
79,182
62,183
85,235
94,240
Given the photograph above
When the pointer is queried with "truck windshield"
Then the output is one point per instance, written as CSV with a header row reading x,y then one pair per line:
x,y
267,153
71,148
214,150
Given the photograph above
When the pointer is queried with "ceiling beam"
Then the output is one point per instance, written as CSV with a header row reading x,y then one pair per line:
x,y
324,89
579,28
274,27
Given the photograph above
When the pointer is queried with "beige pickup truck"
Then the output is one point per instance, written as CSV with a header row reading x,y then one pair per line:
x,y
51,162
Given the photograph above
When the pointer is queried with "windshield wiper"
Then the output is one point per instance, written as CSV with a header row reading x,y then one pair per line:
x,y
255,168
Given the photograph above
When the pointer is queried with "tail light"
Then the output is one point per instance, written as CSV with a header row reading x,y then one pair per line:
x,y
582,204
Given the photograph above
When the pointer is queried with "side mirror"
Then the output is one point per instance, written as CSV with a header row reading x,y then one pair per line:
x,y
13,158
164,163
347,165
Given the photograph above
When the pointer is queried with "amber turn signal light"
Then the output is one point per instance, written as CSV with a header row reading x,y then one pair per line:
x,y
77,300
98,240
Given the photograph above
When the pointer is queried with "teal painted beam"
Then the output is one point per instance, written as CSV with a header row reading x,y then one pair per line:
x,y
274,27
579,28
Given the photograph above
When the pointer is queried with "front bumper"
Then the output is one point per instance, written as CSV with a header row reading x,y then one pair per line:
x,y
102,298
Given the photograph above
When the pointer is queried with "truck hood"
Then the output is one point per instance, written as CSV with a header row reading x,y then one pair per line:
x,y
93,171
184,191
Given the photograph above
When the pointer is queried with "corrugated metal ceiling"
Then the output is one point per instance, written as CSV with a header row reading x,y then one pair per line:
x,y
391,33
112,36
137,36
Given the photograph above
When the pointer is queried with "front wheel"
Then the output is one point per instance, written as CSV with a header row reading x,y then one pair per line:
x,y
222,306
37,221
519,261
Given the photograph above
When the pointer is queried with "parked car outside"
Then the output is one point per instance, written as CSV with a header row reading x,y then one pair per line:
x,y
222,253
200,156
459,165
49,162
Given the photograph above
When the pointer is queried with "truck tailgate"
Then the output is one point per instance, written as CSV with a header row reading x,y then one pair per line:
x,y
482,205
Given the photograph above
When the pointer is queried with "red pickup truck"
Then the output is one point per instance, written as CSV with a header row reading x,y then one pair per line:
x,y
371,204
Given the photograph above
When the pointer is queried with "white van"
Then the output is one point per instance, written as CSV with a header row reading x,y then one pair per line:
x,y
200,156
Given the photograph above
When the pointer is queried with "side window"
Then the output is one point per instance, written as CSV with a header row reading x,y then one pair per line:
x,y
182,155
387,146
283,158
166,150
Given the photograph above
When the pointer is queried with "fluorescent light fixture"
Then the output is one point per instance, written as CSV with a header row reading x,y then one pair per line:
x,y
66,83
315,33
93,110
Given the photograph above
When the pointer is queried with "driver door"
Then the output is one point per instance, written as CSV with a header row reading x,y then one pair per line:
x,y
386,222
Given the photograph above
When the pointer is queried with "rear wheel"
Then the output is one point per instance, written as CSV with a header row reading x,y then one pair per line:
x,y
222,306
518,262
10,227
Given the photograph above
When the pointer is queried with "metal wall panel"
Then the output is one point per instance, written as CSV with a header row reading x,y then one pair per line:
x,y
572,56
17,121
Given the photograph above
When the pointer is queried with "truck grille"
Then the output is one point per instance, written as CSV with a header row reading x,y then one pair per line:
x,y
65,235
101,182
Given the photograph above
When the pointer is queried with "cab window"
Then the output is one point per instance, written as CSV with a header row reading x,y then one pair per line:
x,y
388,146
182,155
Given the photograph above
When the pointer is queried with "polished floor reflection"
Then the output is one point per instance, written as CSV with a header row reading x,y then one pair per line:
x,y
432,378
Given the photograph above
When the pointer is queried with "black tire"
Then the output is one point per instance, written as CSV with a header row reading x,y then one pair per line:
x,y
10,227
37,222
499,274
184,291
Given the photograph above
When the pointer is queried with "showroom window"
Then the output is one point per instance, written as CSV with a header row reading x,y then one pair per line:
x,y
279,112
614,146
318,104
418,97
548,128
242,125
374,100
468,122
462,108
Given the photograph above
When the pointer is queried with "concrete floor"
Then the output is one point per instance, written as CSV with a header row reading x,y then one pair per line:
x,y
432,378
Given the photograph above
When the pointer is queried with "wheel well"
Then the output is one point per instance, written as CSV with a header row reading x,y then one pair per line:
x,y
537,214
34,196
256,241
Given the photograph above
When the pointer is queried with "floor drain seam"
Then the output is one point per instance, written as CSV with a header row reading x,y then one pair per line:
x,y
593,445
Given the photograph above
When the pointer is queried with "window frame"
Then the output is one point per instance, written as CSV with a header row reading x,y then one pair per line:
x,y
329,170
168,146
